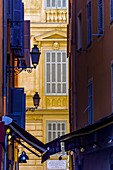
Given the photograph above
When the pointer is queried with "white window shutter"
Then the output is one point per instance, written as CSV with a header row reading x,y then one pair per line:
x,y
55,129
59,3
55,73
64,3
53,3
56,3
48,3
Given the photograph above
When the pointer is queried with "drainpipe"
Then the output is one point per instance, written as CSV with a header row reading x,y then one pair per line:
x,y
5,56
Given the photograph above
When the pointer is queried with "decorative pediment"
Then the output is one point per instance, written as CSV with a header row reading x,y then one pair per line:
x,y
52,35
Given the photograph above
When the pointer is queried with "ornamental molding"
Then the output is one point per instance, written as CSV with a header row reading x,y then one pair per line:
x,y
54,35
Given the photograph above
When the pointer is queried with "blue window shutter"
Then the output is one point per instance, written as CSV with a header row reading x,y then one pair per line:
x,y
100,16
15,37
17,10
18,106
17,29
90,102
111,8
10,10
27,42
22,30
89,22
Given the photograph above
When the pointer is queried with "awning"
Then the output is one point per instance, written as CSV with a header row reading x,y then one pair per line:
x,y
89,129
28,138
24,135
101,129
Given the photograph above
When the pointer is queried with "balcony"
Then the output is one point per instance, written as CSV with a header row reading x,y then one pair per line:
x,y
56,15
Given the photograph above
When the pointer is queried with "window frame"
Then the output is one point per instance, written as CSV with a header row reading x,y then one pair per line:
x,y
111,11
89,23
56,5
100,17
90,101
56,130
56,82
79,31
65,131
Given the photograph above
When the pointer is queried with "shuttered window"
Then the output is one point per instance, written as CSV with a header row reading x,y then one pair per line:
x,y
100,17
55,3
90,102
111,10
17,105
79,30
16,16
55,73
54,130
89,22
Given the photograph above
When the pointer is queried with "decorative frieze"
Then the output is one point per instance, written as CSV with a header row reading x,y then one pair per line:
x,y
56,102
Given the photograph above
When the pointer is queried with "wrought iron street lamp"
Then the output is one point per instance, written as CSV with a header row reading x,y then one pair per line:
x,y
21,65
35,55
36,101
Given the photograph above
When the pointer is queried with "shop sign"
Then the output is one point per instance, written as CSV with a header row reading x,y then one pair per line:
x,y
56,164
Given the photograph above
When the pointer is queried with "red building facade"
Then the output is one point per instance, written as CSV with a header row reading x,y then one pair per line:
x,y
91,83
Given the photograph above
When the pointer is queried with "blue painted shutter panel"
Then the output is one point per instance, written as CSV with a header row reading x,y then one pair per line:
x,y
17,10
27,42
17,29
90,103
18,105
111,10
100,16
10,10
89,22
22,30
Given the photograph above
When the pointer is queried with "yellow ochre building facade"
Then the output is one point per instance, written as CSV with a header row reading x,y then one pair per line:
x,y
48,29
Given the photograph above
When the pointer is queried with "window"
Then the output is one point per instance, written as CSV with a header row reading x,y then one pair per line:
x,y
79,32
111,10
55,73
100,17
55,129
90,102
55,3
89,22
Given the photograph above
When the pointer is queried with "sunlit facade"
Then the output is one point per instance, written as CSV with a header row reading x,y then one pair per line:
x,y
48,29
